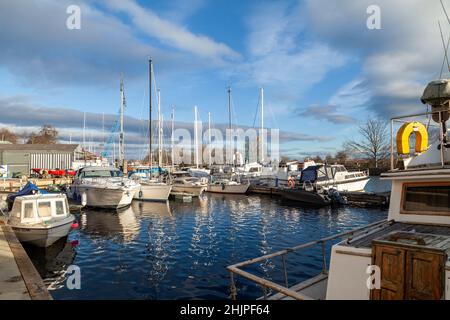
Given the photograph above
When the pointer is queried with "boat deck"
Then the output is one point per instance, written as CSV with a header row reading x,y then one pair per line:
x,y
366,241
19,279
315,288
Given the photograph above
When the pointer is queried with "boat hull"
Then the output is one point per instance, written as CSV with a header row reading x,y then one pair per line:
x,y
307,197
350,186
43,236
231,189
107,198
150,192
191,190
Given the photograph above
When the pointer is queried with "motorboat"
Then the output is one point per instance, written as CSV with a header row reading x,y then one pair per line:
x,y
335,177
40,219
228,186
402,257
152,190
189,185
103,187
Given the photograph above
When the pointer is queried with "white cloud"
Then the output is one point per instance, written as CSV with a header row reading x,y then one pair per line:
x,y
398,60
172,34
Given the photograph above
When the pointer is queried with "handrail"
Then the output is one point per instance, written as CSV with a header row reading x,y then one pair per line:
x,y
236,268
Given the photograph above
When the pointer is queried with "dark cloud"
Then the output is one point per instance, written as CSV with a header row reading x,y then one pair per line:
x,y
327,112
24,116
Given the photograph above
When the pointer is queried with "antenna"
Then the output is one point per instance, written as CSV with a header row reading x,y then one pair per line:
x,y
445,11
445,48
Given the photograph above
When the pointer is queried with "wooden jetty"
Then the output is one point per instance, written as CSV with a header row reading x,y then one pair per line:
x,y
19,279
367,199
360,199
14,185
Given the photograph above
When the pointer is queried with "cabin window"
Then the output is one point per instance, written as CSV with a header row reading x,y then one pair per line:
x,y
421,198
28,210
45,209
59,208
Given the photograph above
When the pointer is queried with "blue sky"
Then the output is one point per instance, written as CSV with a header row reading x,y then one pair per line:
x,y
322,70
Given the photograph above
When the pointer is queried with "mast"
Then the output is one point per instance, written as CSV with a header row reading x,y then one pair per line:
x,y
150,71
173,138
262,125
159,129
229,107
229,117
121,136
209,137
196,136
84,130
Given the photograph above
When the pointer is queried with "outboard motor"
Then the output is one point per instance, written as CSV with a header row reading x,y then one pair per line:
x,y
336,197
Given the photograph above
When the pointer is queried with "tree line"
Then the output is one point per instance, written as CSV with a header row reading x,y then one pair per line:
x,y
46,135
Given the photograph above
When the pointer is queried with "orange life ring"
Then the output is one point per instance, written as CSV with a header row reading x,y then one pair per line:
x,y
291,182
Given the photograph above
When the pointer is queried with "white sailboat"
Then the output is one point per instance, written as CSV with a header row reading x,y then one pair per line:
x,y
223,185
152,189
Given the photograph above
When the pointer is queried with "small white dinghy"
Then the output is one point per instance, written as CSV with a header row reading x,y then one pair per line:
x,y
41,219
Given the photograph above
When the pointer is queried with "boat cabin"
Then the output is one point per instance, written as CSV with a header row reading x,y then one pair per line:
x,y
39,208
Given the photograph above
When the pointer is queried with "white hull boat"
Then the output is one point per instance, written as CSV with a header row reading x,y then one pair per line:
x,y
228,187
189,185
41,219
153,191
103,187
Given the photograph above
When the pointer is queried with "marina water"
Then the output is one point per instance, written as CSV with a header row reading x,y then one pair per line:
x,y
180,250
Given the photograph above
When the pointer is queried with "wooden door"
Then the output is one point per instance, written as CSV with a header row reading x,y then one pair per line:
x,y
391,261
424,275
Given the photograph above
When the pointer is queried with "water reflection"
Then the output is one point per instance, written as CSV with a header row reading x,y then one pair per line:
x,y
119,226
52,262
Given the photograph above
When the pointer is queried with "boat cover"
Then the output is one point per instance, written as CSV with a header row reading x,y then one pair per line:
x,y
27,189
309,174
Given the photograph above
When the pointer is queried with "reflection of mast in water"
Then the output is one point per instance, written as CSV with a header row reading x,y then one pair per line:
x,y
162,235
120,226
203,242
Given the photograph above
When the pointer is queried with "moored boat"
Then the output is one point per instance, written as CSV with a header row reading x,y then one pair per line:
x,y
228,186
40,219
103,187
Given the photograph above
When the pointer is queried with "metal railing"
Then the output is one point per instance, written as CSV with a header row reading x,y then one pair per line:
x,y
284,289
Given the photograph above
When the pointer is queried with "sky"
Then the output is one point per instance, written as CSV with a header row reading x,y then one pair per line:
x,y
323,71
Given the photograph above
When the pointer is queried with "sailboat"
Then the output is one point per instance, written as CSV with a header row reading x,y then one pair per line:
x,y
153,189
223,185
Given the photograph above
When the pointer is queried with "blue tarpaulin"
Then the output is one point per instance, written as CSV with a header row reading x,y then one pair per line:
x,y
27,189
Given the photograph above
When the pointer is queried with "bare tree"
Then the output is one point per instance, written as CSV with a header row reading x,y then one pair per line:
x,y
374,141
8,135
47,135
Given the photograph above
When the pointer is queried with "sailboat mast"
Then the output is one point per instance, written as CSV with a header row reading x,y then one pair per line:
x,y
196,136
121,136
229,108
159,129
150,72
173,138
209,137
262,125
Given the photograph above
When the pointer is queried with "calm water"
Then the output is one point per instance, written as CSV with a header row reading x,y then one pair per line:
x,y
181,250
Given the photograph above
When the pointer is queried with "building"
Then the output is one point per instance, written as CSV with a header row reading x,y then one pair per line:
x,y
20,159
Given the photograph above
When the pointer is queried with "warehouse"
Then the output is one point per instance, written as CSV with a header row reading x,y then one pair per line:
x,y
20,159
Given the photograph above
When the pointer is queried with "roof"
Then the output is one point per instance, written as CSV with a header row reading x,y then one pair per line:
x,y
39,147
